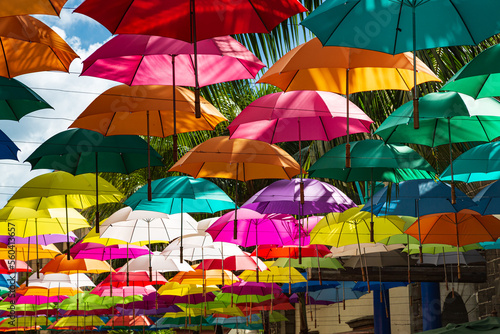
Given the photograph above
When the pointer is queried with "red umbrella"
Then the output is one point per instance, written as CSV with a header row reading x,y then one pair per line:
x,y
190,20
237,262
271,252
136,278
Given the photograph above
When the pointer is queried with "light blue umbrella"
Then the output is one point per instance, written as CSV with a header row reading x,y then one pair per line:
x,y
337,294
177,194
488,200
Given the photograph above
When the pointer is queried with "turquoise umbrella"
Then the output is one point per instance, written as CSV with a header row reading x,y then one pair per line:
x,y
480,163
18,100
178,194
372,160
395,26
480,77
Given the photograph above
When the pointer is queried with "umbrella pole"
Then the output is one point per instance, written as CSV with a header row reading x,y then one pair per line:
x,y
359,250
366,268
417,208
67,225
347,145
235,228
127,265
96,194
416,122
181,249
408,256
197,108
301,204
27,274
453,195
372,224
256,251
174,136
149,244
150,195
445,271
343,297
37,258
289,272
458,247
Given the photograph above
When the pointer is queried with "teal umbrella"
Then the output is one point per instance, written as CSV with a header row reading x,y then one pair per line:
x,y
489,325
177,194
480,163
80,151
480,77
372,160
395,26
445,118
18,100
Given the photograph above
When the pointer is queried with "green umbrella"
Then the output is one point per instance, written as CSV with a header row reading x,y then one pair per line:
x,y
87,301
480,77
80,151
230,298
489,325
413,248
480,163
309,262
372,160
446,118
395,26
18,100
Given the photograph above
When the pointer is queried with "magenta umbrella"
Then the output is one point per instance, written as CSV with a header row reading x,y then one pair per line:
x,y
252,288
155,60
36,300
89,250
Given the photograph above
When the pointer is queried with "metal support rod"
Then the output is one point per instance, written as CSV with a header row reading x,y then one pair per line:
x,y
416,121
174,136
347,145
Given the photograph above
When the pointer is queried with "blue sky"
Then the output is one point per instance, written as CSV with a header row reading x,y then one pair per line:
x,y
69,94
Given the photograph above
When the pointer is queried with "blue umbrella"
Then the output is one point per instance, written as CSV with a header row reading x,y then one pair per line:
x,y
178,194
377,286
338,294
488,200
490,244
8,150
309,285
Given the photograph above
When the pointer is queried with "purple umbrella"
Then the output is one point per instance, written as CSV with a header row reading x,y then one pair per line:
x,y
89,250
171,300
152,311
283,196
43,239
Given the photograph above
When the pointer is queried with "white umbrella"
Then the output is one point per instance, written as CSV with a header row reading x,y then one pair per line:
x,y
206,223
62,280
158,263
366,248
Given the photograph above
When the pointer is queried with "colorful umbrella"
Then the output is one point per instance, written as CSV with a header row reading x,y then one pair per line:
x,y
8,150
136,278
18,100
337,294
283,196
444,258
403,26
232,263
190,21
487,200
273,275
43,239
31,46
60,264
392,258
25,252
159,263
48,7
146,110
100,252
205,277
309,262
479,77
480,163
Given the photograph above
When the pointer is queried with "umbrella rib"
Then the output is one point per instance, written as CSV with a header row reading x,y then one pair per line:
x,y
465,24
59,59
274,131
123,16
161,123
258,14
135,72
110,122
5,58
434,134
323,126
399,73
482,127
338,25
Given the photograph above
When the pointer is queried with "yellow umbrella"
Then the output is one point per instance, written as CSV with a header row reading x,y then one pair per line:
x,y
353,227
41,291
25,252
27,322
79,321
274,275
63,190
177,289
94,237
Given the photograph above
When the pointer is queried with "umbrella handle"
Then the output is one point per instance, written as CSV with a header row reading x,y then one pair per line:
x,y
453,195
347,155
416,113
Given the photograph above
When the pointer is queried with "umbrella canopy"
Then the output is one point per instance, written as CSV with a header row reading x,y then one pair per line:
x,y
488,325
296,116
61,189
239,159
18,100
89,250
273,275
487,200
377,286
344,70
252,288
466,258
79,321
445,118
416,198
155,60
337,294
178,289
372,160
353,227
364,248
435,249
232,263
7,266
43,239
173,19
48,7
26,252
60,264
271,252
283,196
205,277
254,228
177,194
383,259
480,163
8,150
309,262
146,110
58,279
79,151
31,46
128,321
479,77
137,278
458,229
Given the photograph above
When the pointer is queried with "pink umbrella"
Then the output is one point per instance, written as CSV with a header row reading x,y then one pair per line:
x,y
124,291
155,60
236,262
298,115
35,300
89,250
136,278
252,288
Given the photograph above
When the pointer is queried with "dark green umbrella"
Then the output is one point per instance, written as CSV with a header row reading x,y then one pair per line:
x,y
445,118
488,325
372,160
80,151
480,77
17,100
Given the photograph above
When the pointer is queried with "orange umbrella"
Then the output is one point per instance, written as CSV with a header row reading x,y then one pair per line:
x,y
60,264
343,70
147,110
28,45
24,7
40,291
26,252
457,229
